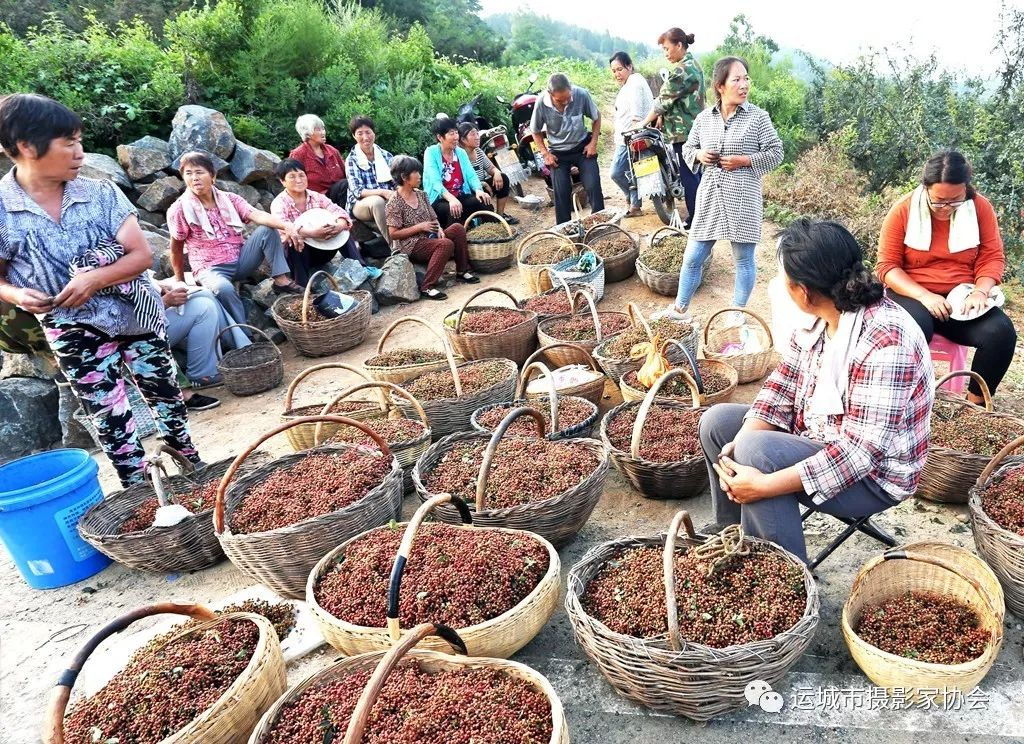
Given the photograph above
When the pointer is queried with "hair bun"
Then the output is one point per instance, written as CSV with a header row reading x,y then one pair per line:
x,y
858,288
689,39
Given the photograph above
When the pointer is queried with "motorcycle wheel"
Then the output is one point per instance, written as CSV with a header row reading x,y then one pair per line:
x,y
665,205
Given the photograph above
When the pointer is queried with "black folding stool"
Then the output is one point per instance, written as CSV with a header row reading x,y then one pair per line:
x,y
860,524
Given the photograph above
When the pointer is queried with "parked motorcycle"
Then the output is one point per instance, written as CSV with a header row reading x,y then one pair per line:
x,y
495,142
654,169
522,113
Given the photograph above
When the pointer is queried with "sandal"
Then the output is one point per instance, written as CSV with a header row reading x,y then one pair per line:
x,y
289,288
510,219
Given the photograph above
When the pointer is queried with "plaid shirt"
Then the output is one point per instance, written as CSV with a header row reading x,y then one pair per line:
x,y
884,433
285,208
359,180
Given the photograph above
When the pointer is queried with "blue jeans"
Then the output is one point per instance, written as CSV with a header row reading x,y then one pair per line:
x,y
692,271
622,175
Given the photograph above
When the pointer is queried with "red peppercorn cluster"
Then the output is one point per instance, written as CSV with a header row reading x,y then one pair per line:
x,y
571,412
317,484
714,382
492,320
280,614
747,598
457,706
663,328
454,576
392,431
553,303
580,327
196,500
523,470
966,430
161,691
925,626
341,407
669,434
1003,501
474,377
402,357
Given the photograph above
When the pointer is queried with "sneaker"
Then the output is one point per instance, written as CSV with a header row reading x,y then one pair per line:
x,y
433,294
201,403
731,319
671,313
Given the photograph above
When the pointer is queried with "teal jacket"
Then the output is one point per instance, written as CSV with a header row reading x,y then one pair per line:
x,y
432,173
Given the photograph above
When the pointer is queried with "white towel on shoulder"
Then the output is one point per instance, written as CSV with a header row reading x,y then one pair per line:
x,y
963,224
380,165
831,388
195,212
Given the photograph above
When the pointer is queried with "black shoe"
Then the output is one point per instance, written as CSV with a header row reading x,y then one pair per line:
x,y
713,528
467,278
510,219
201,403
291,288
433,294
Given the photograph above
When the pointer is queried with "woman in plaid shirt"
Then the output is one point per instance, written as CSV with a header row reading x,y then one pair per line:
x,y
843,422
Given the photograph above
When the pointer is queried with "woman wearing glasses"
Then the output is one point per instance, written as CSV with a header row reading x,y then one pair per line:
x,y
942,235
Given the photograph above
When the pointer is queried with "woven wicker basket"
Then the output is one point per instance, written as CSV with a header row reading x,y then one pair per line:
x,y
949,474
282,558
899,571
616,367
556,519
494,255
515,343
593,281
253,368
302,436
670,674
618,267
531,274
592,390
1002,549
499,637
405,372
561,288
561,358
664,283
235,713
631,392
381,663
749,366
324,337
657,480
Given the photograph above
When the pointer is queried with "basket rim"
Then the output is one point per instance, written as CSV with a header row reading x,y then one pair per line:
x,y
361,295
612,449
566,316
526,315
587,422
597,349
977,509
649,270
507,363
424,437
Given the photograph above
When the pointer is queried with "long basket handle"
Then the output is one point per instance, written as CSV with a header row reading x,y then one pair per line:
x,y
604,226
636,317
593,310
996,461
492,446
485,290
308,293
225,481
405,551
53,727
681,519
986,394
648,401
564,345
152,471
185,466
250,327
668,231
577,207
555,279
364,386
538,235
745,311
294,385
487,213
524,380
407,319
694,369
361,714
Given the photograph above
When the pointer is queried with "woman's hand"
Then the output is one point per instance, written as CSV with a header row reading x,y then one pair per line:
x,y
707,157
77,292
483,196
936,304
291,235
175,297
454,206
734,162
498,180
32,300
976,301
741,483
425,227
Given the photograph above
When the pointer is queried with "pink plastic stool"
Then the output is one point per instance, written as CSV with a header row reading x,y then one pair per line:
x,y
944,350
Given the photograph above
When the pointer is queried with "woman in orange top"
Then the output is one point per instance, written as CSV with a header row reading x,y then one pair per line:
x,y
942,235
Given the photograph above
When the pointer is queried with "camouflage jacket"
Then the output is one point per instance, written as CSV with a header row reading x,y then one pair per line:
x,y
681,98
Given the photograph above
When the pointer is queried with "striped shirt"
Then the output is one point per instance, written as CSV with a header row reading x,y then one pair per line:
x,y
730,204
482,164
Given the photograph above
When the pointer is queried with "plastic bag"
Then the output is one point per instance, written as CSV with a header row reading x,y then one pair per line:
x,y
568,376
655,363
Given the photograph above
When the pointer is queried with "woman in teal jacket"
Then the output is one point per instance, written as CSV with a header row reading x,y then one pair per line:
x,y
452,186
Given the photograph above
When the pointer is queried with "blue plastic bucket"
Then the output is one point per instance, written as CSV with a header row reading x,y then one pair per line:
x,y
41,499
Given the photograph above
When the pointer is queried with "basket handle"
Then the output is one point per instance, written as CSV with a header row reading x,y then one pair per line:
x,y
185,466
577,207
361,714
524,380
497,216
216,343
648,401
606,226
986,394
317,368
593,310
695,370
554,278
53,726
681,519
364,386
996,461
492,446
745,311
636,317
668,231
485,290
566,345
225,481
405,551
537,235
309,289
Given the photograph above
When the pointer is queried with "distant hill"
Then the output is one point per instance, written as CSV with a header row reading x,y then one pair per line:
x,y
529,36
802,62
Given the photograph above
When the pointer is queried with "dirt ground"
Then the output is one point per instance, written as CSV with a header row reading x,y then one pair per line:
x,y
40,631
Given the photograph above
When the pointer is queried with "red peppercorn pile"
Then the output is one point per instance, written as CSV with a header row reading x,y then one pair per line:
x,y
196,501
966,430
454,576
161,691
669,434
926,627
1003,501
280,614
392,431
522,471
458,706
581,327
317,484
340,408
493,320
571,412
663,328
402,357
474,377
555,303
746,599
677,387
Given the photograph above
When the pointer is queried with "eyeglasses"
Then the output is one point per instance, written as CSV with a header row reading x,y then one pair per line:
x,y
946,204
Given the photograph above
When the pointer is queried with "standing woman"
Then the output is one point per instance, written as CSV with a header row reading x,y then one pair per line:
x,y
324,165
493,180
734,145
632,104
942,235
679,102
452,186
72,253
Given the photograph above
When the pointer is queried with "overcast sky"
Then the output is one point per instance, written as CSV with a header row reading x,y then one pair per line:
x,y
960,33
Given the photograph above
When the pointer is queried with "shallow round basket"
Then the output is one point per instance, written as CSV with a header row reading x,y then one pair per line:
x,y
749,366
282,558
303,435
616,367
381,662
664,283
532,274
493,255
693,366
1002,549
231,717
403,373
591,390
324,337
593,281
670,674
516,342
556,519
949,475
897,572
499,637
656,480
622,265
561,357
253,368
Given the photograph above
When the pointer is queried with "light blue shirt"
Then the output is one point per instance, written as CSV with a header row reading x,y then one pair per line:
x,y
432,167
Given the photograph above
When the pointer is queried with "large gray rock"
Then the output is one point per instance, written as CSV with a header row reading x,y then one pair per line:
x,y
105,168
142,162
251,195
398,282
250,164
201,128
38,366
221,167
161,248
256,316
28,417
266,199
262,294
153,219
152,143
160,194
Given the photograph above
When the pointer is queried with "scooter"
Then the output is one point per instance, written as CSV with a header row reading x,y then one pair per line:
x,y
654,169
522,113
495,143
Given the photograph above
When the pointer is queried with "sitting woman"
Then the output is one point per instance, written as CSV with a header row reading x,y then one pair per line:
x,y
370,184
208,223
494,182
415,230
451,183
843,423
306,258
942,235
324,165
